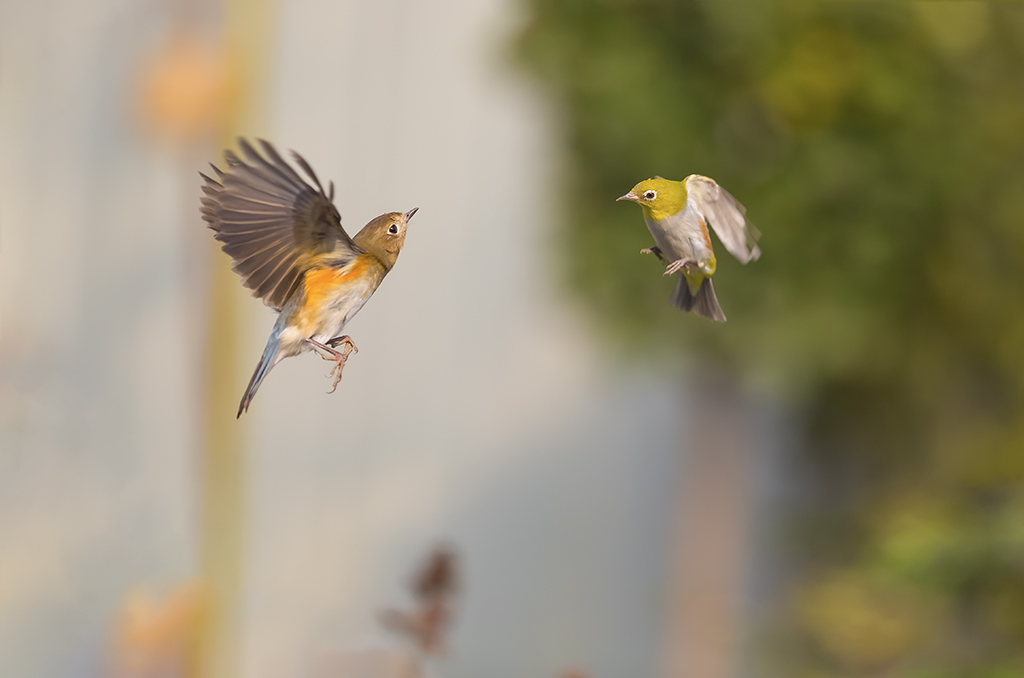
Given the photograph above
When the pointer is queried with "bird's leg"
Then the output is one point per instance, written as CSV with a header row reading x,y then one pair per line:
x,y
337,357
349,348
676,265
653,250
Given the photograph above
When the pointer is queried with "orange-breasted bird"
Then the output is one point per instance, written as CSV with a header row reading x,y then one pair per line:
x,y
286,242
677,214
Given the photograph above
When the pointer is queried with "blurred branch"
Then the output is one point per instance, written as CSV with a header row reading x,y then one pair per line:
x,y
421,630
434,589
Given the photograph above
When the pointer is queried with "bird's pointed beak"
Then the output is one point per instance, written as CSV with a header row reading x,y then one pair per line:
x,y
408,215
629,196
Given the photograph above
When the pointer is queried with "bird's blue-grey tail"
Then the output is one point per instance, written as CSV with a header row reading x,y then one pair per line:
x,y
268,360
704,303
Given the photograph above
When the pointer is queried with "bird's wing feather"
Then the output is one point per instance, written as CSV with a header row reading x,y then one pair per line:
x,y
271,221
726,216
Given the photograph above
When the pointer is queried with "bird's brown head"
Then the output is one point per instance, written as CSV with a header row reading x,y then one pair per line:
x,y
384,236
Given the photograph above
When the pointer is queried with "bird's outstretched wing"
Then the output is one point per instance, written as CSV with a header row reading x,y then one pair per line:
x,y
272,223
725,216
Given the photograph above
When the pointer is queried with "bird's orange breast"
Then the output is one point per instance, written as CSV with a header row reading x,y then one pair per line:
x,y
322,285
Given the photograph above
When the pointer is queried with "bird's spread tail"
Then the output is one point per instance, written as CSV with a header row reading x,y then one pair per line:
x,y
269,359
704,303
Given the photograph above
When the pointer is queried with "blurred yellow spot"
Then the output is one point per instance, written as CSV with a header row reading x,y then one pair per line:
x,y
185,89
156,637
954,25
859,623
808,88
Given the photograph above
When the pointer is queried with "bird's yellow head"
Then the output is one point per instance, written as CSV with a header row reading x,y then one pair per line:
x,y
659,197
384,237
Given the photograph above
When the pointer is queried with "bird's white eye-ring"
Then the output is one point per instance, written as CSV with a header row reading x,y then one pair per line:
x,y
650,195
393,229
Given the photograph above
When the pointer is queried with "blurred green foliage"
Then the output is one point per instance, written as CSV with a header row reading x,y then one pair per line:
x,y
879,146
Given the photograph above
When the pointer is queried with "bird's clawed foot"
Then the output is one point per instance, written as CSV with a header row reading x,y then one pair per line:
x,y
347,340
337,357
678,264
653,250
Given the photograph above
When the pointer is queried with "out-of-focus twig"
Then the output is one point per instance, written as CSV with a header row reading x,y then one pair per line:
x,y
434,588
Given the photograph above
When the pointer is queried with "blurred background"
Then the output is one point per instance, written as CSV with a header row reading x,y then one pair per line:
x,y
535,466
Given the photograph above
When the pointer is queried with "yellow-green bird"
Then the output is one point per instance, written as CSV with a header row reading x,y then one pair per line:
x,y
677,214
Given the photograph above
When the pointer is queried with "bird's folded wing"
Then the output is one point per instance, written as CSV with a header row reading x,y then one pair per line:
x,y
726,216
272,223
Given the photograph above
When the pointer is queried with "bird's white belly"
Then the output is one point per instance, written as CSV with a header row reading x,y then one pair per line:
x,y
331,320
680,236
339,312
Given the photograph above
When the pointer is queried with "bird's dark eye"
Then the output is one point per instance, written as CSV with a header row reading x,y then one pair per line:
x,y
393,229
650,195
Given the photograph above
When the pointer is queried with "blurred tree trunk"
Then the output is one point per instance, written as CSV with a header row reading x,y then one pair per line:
x,y
247,38
704,624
